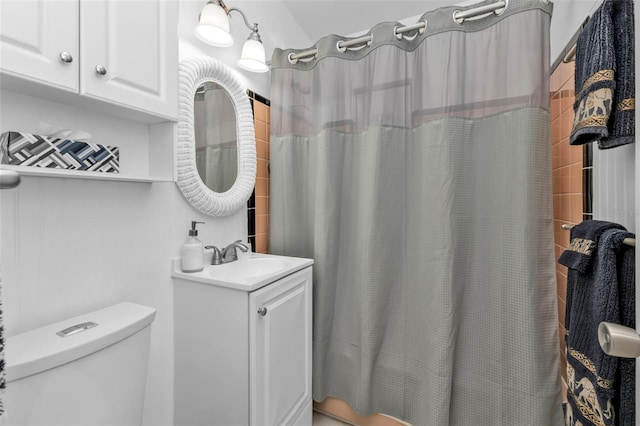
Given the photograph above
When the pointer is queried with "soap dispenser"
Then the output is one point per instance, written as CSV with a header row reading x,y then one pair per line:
x,y
192,253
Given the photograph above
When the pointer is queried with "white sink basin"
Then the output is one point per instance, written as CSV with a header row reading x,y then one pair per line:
x,y
248,268
248,273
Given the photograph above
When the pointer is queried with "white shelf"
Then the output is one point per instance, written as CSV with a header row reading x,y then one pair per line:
x,y
79,174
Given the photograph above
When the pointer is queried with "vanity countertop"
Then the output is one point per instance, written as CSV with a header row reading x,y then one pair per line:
x,y
250,272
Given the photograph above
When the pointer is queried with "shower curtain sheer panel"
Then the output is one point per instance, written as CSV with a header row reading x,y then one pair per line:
x,y
416,172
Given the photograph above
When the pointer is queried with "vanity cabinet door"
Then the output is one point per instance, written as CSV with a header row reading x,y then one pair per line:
x,y
280,350
129,53
39,41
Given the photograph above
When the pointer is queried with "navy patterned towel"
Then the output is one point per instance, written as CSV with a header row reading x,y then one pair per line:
x,y
601,388
605,78
622,120
584,243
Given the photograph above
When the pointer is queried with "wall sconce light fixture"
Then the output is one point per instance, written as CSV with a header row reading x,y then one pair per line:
x,y
213,29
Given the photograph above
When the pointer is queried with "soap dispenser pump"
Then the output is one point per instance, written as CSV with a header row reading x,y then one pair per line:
x,y
192,253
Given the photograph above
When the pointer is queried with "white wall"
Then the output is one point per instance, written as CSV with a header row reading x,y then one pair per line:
x,y
614,190
276,26
568,15
70,246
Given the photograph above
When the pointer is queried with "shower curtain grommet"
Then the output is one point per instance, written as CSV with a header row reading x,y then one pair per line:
x,y
455,18
395,32
343,45
419,31
497,12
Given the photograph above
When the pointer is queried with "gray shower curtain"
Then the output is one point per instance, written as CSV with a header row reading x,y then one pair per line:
x,y
416,172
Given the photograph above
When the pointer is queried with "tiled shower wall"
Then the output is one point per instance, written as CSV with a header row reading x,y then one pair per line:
x,y
588,183
258,205
567,188
572,177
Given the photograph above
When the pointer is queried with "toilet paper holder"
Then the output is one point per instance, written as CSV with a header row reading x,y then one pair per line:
x,y
618,340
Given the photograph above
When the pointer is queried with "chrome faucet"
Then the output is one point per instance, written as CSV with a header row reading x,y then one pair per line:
x,y
216,259
229,253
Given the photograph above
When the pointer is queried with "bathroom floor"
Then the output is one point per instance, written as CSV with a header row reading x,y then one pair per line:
x,y
324,420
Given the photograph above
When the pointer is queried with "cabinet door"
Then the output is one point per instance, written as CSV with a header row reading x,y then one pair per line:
x,y
35,36
280,350
136,45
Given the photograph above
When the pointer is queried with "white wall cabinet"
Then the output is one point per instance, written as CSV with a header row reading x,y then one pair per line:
x,y
243,358
121,52
136,44
35,36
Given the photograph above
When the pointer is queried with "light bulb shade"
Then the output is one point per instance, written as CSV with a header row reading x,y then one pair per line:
x,y
253,57
213,26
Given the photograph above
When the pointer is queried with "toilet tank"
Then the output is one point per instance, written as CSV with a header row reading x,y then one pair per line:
x,y
93,376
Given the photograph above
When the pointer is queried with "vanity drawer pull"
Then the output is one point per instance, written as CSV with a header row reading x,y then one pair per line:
x,y
262,311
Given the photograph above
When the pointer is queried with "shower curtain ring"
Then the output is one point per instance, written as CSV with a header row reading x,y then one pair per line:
x,y
480,12
420,30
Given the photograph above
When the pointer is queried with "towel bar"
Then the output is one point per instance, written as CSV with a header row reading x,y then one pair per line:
x,y
9,179
627,241
571,55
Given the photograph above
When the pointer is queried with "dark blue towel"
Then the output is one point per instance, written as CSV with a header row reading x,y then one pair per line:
x,y
598,394
605,77
624,257
594,77
622,120
584,243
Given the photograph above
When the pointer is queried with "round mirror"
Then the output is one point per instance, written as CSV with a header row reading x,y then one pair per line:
x,y
214,125
216,154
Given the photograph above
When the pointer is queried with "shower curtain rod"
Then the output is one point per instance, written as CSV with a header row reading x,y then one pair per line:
x,y
627,241
458,16
570,49
568,54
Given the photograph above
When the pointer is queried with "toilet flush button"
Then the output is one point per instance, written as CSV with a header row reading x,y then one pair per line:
x,y
76,329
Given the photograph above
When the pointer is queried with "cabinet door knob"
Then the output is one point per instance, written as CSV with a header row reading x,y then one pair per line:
x,y
66,57
101,70
262,311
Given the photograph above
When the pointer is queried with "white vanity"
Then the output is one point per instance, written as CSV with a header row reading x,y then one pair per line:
x,y
243,342
242,329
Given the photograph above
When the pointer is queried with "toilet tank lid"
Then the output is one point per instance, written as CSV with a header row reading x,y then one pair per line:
x,y
41,349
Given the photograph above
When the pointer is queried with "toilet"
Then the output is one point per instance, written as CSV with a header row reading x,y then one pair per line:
x,y
87,370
